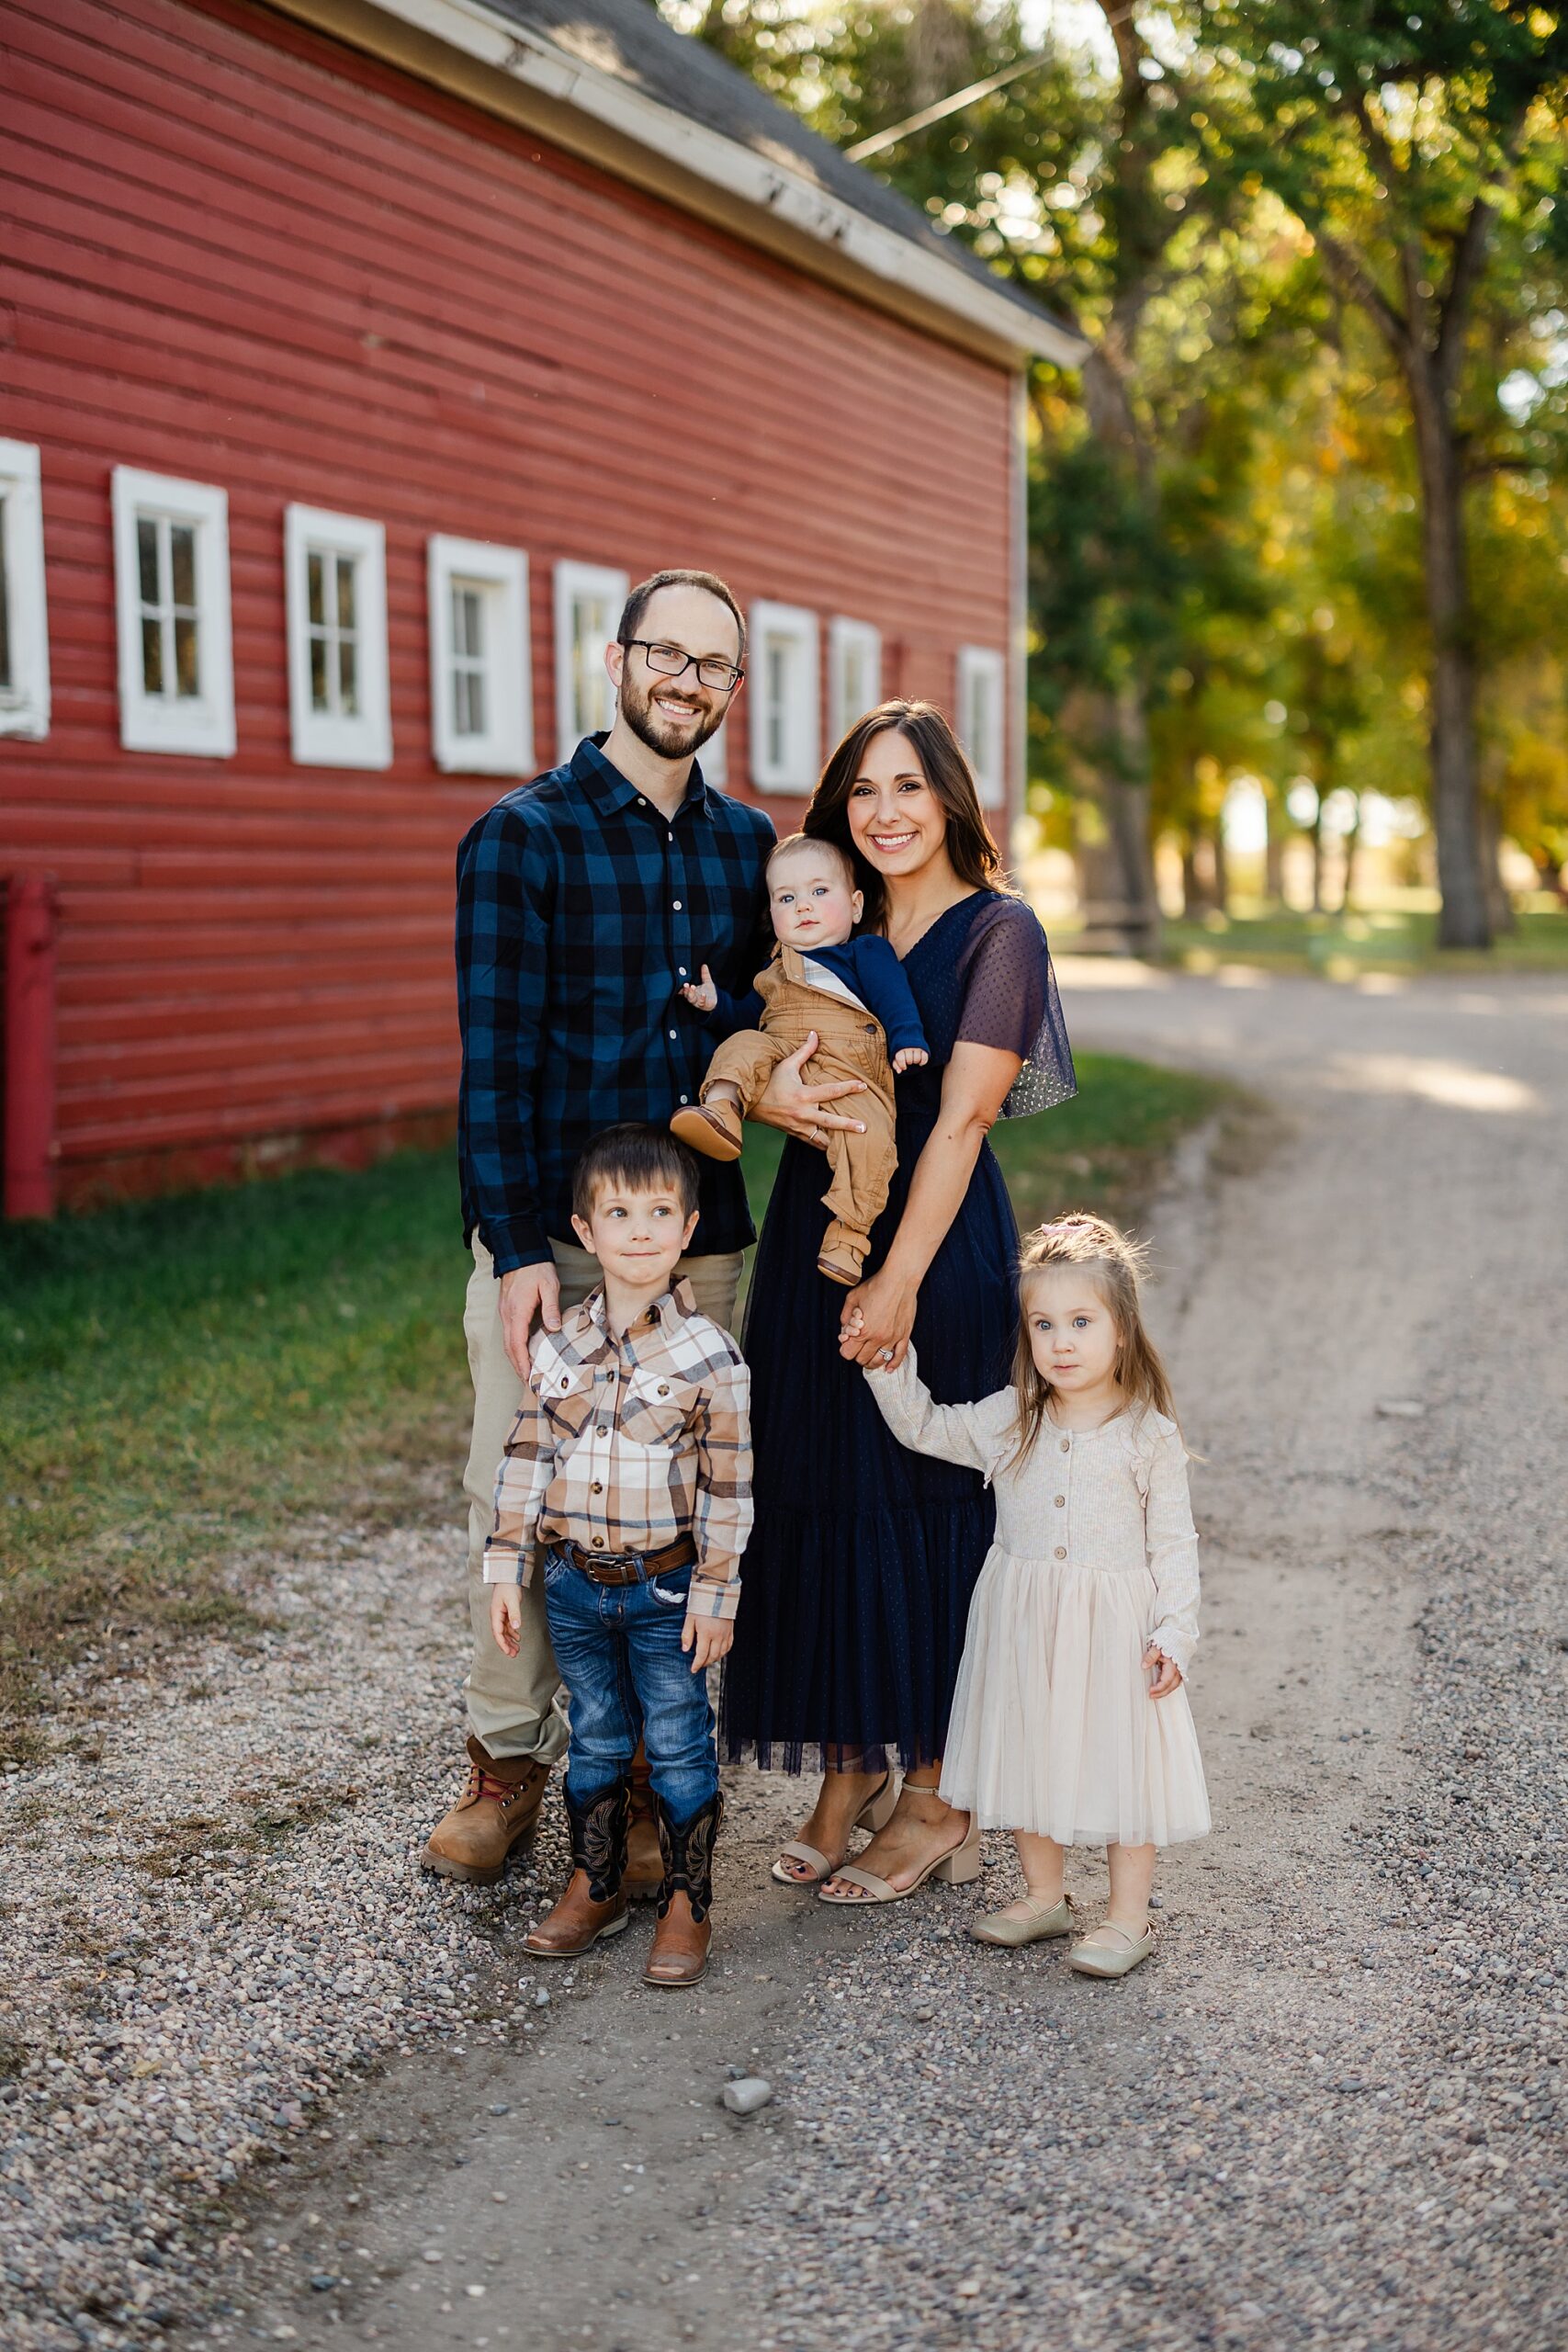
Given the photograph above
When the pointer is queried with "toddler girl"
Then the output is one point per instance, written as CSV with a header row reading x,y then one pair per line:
x,y
1070,1723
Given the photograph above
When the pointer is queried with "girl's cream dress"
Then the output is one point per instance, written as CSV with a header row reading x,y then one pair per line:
x,y
1053,1729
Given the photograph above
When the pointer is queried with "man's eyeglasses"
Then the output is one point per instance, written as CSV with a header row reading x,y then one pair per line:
x,y
719,676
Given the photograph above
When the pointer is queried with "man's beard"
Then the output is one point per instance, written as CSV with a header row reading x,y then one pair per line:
x,y
657,733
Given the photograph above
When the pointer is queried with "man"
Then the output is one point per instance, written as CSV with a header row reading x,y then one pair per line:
x,y
586,900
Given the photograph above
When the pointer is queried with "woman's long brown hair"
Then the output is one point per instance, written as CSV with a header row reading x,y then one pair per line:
x,y
972,851
1114,1263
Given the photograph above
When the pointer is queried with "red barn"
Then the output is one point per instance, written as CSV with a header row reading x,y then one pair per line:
x,y
355,354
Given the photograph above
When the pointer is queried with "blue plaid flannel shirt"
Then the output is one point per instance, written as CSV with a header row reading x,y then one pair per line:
x,y
581,911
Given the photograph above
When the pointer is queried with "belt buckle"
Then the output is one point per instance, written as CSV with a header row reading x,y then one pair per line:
x,y
622,1561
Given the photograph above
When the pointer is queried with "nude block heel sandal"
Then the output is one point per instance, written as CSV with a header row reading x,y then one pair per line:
x,y
960,1866
874,1814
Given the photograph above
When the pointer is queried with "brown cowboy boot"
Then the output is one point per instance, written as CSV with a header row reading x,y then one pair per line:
x,y
497,1812
594,1902
679,1953
644,1859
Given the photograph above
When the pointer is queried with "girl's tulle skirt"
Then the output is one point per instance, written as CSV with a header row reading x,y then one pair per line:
x,y
1053,1728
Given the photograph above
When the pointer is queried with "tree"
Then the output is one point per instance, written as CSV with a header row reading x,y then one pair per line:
x,y
1409,145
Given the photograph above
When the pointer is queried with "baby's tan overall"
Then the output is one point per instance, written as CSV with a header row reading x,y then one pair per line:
x,y
850,1044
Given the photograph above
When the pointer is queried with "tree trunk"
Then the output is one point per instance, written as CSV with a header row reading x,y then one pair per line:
x,y
1130,816
1500,905
1274,848
1464,917
1222,865
1191,888
1352,842
1317,906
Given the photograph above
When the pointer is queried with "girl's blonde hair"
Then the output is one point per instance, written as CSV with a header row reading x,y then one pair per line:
x,y
1114,1263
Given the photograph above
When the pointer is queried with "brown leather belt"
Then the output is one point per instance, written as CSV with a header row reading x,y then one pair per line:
x,y
630,1567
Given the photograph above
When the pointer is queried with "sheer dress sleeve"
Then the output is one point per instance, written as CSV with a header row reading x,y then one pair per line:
x,y
1010,1001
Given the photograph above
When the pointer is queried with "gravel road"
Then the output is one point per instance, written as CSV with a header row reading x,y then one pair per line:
x,y
1330,2111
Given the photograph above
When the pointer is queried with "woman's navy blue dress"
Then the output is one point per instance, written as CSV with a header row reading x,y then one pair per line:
x,y
858,1572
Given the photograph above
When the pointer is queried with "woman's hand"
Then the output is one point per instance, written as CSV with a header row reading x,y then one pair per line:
x,y
1169,1677
797,1108
876,1321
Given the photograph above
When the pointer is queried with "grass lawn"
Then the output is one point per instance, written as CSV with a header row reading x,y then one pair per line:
x,y
1340,946
182,1381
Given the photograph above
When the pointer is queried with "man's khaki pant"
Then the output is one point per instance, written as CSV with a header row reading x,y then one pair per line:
x,y
512,1700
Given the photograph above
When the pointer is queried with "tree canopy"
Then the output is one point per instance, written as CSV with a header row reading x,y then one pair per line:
x,y
1302,514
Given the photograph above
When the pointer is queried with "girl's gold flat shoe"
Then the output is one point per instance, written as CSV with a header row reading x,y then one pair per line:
x,y
1043,1919
1110,1951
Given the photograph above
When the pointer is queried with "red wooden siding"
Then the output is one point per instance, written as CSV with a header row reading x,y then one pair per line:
x,y
240,254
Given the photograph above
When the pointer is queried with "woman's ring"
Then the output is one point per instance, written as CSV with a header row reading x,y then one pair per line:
x,y
884,1355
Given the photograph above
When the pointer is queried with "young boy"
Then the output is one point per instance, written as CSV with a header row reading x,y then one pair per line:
x,y
630,1465
852,993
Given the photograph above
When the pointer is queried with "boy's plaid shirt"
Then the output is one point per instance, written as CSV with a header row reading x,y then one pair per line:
x,y
622,1445
581,909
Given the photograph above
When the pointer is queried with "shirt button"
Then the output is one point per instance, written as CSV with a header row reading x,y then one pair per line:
x,y
663,1389
1066,1445
566,1381
597,1487
672,1032
598,1542
1060,1501
682,969
603,1432
685,1098
1061,1550
676,904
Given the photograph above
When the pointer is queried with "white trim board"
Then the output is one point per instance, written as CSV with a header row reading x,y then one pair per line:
x,y
24,704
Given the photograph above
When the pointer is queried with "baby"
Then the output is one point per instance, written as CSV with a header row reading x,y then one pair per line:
x,y
852,993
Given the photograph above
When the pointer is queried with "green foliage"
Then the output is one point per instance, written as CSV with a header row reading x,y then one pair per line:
x,y
1235,464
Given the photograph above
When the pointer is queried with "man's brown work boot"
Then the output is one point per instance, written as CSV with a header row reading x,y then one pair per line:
x,y
594,1902
644,1857
497,1812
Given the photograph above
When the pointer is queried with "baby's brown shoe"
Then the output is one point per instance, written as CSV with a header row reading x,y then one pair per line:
x,y
843,1255
713,1129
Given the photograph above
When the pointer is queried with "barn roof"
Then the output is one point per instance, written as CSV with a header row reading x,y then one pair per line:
x,y
629,41
615,81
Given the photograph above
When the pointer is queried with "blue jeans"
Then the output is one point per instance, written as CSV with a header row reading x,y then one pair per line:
x,y
618,1647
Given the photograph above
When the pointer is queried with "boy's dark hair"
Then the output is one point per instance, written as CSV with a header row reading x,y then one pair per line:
x,y
637,603
642,1158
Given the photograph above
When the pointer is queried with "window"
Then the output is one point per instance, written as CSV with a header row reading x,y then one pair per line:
x,y
588,610
982,719
336,571
171,558
713,757
24,628
854,674
781,668
481,696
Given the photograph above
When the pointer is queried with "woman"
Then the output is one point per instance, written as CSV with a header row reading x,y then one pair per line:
x,y
859,1573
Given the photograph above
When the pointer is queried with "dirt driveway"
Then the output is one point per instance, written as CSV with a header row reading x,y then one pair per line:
x,y
1331,2110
